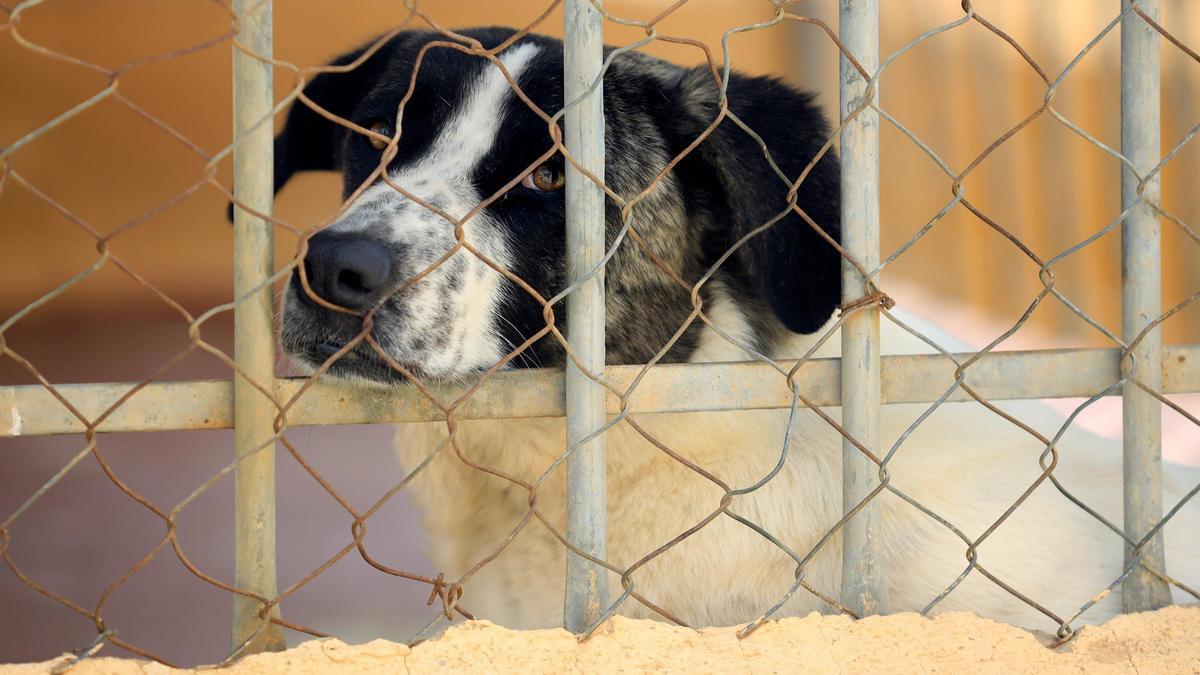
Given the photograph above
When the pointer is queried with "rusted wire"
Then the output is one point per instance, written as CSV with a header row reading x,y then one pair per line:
x,y
450,594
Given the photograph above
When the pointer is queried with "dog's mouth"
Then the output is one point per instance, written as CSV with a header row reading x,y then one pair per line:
x,y
360,363
334,346
316,341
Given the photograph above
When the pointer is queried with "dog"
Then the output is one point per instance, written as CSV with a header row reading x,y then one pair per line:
x,y
464,136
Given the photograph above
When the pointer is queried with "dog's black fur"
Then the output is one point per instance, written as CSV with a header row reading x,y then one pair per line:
x,y
721,191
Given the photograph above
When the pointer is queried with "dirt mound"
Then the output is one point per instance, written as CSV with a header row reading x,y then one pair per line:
x,y
1164,641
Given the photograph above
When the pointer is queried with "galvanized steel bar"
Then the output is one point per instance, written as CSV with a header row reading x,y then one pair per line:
x,y
254,342
863,588
1141,295
30,410
587,583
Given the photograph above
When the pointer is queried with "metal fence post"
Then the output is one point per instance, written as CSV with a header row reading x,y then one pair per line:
x,y
863,587
254,342
1141,294
587,583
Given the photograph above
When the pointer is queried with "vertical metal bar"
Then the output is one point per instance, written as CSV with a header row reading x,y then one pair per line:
x,y
587,583
863,587
254,345
1141,294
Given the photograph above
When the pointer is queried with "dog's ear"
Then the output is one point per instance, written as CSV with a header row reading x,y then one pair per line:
x,y
308,140
790,266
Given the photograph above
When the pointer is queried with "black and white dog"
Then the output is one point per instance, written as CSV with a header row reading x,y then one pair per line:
x,y
464,134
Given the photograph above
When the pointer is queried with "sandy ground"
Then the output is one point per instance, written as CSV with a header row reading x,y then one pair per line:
x,y
1156,642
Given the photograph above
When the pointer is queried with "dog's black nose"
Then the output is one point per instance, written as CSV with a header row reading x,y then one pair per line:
x,y
349,270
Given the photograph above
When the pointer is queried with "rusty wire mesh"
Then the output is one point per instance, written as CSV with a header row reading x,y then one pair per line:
x,y
452,596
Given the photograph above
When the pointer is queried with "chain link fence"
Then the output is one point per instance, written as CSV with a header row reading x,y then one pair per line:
x,y
265,410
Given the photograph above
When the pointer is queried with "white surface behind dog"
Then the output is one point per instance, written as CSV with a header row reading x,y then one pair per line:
x,y
965,463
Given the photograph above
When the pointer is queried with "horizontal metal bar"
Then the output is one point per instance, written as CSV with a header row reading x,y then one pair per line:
x,y
30,410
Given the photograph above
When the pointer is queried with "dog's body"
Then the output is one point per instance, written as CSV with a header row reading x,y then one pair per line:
x,y
964,463
464,137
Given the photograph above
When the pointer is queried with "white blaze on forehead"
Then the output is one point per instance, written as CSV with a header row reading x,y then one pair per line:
x,y
446,170
442,174
475,124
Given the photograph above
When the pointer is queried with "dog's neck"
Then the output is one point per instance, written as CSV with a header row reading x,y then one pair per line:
x,y
729,328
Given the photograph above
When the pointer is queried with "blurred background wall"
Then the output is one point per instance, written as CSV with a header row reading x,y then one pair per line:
x,y
958,92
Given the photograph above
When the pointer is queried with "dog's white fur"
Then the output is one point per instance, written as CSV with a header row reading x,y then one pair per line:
x,y
965,463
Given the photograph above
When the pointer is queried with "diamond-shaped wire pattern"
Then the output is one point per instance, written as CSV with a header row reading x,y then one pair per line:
x,y
540,518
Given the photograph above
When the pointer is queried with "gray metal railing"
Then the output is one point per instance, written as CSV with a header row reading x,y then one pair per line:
x,y
254,326
862,578
1141,301
587,582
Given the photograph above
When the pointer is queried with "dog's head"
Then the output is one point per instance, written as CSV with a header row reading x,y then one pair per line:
x,y
465,136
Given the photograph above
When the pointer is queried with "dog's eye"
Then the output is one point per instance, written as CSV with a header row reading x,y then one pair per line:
x,y
545,178
383,129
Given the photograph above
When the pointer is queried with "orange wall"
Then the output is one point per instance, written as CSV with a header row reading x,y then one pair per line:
x,y
958,92
108,166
